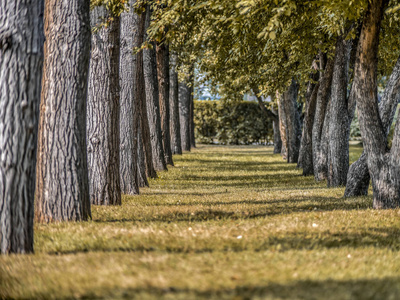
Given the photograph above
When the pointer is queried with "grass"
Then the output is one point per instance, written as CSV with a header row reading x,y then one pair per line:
x,y
225,223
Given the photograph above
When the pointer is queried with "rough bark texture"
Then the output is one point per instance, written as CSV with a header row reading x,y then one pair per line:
x,y
163,92
128,110
282,127
21,57
358,176
305,155
339,127
383,165
62,187
153,107
293,133
140,97
103,112
175,127
184,115
319,157
141,173
192,125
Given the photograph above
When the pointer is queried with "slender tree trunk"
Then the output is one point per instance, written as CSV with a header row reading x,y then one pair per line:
x,y
358,176
292,122
282,127
21,57
383,164
62,187
323,95
153,107
163,87
128,110
277,136
174,107
339,127
103,112
192,125
184,115
305,155
141,173
140,97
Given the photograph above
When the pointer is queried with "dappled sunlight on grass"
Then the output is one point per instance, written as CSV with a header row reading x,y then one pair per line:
x,y
225,222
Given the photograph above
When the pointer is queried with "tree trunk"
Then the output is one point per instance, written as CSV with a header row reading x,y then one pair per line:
x,y
319,157
62,187
282,127
383,165
358,176
192,125
277,136
141,173
140,97
293,133
339,127
163,92
305,155
184,115
128,110
103,112
174,107
21,57
153,107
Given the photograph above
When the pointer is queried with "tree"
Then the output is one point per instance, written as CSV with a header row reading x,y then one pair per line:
x,y
184,115
129,114
174,107
21,57
103,110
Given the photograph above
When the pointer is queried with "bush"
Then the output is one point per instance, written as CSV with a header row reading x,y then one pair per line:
x,y
231,123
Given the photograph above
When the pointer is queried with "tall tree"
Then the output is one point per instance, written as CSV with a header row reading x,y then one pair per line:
x,y
175,127
21,57
128,110
62,188
192,125
162,52
184,115
153,106
103,110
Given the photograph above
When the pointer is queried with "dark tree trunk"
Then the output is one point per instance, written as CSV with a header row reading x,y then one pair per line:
x,y
319,156
282,127
21,57
141,173
358,176
103,112
140,97
339,127
383,164
128,110
153,107
62,187
192,125
305,155
184,115
174,107
277,136
293,132
163,92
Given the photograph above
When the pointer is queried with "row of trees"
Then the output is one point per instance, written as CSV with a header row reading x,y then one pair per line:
x,y
111,110
318,60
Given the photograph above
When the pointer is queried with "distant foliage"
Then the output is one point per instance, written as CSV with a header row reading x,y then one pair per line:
x,y
231,123
355,133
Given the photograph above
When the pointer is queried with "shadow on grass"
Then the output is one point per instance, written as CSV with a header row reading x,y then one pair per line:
x,y
375,288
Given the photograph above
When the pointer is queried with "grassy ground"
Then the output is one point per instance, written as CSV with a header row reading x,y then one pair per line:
x,y
225,223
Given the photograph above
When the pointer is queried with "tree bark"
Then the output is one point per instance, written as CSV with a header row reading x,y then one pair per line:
x,y
293,133
141,173
282,127
140,97
339,127
323,95
103,112
383,164
21,57
153,107
128,109
62,187
174,107
192,125
163,88
358,176
184,115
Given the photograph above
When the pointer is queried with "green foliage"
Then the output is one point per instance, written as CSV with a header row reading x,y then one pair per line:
x,y
231,122
355,132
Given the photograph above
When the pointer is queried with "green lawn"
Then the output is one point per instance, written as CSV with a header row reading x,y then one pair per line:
x,y
225,223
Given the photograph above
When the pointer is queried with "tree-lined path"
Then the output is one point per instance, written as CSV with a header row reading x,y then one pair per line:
x,y
225,222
